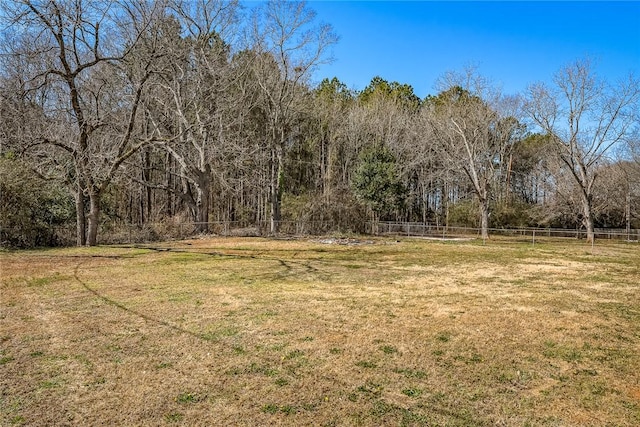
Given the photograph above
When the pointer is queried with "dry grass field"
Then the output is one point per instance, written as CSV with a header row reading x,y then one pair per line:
x,y
256,332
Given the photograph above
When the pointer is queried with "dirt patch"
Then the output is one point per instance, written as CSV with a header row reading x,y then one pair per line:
x,y
343,241
444,238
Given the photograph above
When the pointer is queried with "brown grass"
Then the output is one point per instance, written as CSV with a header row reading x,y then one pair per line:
x,y
244,331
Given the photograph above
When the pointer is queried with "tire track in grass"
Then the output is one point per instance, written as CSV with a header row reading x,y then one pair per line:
x,y
119,305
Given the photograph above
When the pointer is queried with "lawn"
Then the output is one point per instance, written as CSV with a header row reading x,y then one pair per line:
x,y
322,332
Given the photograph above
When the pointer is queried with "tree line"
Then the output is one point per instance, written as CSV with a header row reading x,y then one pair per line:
x,y
144,112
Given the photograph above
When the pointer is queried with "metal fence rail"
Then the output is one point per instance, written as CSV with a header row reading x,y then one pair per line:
x,y
117,233
434,230
134,233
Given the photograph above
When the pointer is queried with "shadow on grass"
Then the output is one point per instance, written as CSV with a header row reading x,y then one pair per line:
x,y
109,301
289,271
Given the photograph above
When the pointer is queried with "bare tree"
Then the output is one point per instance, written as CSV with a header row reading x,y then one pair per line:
x,y
75,55
331,103
616,195
474,126
189,99
287,48
586,118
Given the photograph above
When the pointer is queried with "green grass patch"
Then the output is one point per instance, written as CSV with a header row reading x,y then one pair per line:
x,y
366,364
412,392
6,359
189,397
388,349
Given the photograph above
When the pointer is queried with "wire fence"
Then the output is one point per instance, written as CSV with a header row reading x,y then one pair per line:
x,y
120,233
533,233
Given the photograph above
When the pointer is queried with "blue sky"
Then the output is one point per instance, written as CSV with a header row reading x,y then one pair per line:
x,y
512,43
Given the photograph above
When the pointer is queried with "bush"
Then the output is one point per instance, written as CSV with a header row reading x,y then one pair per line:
x,y
30,208
510,215
464,213
377,182
338,211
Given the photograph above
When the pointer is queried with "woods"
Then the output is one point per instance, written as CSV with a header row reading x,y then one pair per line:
x,y
169,111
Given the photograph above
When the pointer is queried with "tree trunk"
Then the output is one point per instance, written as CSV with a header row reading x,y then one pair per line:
x,y
170,186
445,205
203,202
81,221
507,188
484,218
588,217
202,212
94,217
627,209
275,190
148,191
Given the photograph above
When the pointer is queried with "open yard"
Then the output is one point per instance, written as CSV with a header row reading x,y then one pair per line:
x,y
249,331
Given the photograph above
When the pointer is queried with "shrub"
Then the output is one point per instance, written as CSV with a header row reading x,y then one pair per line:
x,y
30,208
